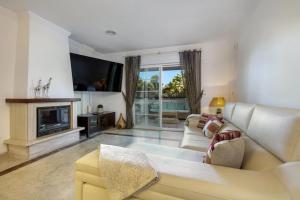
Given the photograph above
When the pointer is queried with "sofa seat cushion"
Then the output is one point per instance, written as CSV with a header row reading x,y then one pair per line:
x,y
203,181
289,175
89,163
200,181
172,152
257,158
193,130
195,142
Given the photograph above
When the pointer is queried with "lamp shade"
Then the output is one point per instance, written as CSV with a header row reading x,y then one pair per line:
x,y
217,102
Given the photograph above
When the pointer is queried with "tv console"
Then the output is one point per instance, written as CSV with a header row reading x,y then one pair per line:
x,y
96,122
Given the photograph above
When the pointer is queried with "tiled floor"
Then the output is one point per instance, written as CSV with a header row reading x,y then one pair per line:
x,y
8,160
52,177
165,135
155,123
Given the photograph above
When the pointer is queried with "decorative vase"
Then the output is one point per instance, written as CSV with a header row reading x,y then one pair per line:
x,y
121,124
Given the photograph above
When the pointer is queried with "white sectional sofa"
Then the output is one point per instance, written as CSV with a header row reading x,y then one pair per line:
x,y
270,170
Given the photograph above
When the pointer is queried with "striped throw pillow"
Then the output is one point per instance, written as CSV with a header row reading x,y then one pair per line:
x,y
212,127
206,117
226,135
226,149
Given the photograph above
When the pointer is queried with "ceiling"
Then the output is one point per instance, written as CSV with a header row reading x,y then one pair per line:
x,y
140,24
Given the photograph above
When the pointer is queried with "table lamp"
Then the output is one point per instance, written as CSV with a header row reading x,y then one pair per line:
x,y
218,102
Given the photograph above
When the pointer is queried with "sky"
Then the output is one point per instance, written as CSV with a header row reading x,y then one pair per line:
x,y
167,76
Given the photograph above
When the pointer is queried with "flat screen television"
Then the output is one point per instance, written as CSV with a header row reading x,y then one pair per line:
x,y
92,74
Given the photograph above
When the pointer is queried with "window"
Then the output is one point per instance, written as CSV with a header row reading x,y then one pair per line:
x,y
160,100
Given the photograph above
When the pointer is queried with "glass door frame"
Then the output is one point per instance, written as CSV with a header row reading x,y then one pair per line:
x,y
160,67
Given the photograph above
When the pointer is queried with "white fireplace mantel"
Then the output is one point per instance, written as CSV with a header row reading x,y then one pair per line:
x,y
23,139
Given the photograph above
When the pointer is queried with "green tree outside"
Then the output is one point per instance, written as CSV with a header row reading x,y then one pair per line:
x,y
174,89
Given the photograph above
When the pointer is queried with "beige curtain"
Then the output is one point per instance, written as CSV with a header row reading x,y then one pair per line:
x,y
132,69
190,62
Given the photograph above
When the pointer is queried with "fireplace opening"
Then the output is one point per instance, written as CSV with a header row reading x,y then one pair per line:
x,y
52,120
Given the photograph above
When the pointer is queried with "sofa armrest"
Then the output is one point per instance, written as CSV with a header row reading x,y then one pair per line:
x,y
192,120
195,180
195,116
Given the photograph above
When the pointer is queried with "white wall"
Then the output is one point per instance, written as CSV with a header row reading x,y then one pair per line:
x,y
82,49
31,49
8,41
112,101
218,65
36,48
21,67
43,52
268,55
49,57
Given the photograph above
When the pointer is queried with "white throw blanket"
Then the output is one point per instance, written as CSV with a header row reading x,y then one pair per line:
x,y
125,171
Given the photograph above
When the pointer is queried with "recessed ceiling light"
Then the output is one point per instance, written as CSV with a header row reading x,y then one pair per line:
x,y
110,33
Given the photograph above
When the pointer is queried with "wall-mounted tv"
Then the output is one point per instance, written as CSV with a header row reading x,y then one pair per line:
x,y
92,74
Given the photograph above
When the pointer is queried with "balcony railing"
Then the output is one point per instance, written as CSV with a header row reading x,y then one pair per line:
x,y
152,106
174,104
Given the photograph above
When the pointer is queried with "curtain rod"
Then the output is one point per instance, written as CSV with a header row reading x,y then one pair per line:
x,y
161,52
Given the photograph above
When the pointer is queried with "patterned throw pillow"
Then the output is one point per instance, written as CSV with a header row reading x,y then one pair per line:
x,y
206,117
212,127
202,122
227,135
226,149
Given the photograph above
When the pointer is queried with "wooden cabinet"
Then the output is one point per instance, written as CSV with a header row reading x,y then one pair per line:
x,y
106,120
96,122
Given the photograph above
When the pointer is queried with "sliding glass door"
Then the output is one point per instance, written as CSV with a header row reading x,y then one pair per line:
x,y
147,99
174,104
160,101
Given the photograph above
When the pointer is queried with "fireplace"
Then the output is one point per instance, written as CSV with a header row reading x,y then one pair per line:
x,y
52,119
39,126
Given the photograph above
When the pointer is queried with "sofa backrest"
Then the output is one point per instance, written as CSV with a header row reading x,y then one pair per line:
x,y
242,114
277,130
228,110
257,157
